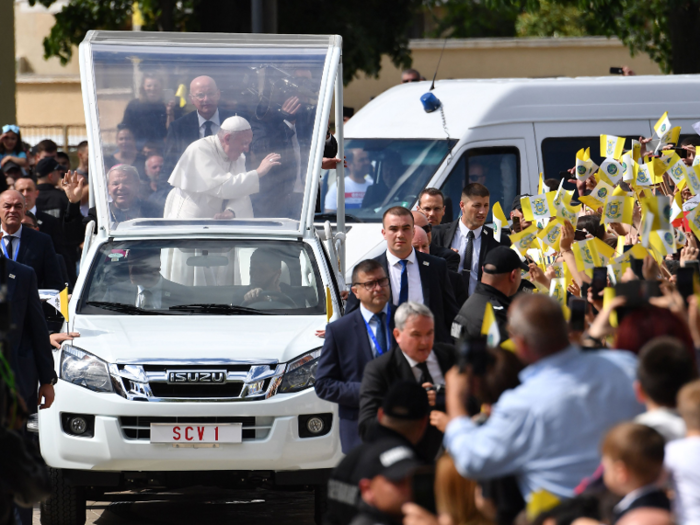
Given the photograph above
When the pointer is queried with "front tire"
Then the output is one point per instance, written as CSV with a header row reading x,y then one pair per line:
x,y
66,505
320,503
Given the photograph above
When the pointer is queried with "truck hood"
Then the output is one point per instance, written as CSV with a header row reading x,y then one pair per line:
x,y
118,339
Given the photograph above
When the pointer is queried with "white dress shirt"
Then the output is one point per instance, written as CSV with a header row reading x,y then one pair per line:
x,y
215,124
156,291
15,243
298,183
373,325
459,242
415,289
433,368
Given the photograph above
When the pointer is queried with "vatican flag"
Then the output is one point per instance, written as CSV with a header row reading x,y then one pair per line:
x,y
598,196
611,146
676,168
585,167
676,209
636,252
618,209
557,289
489,327
499,221
536,207
180,93
551,234
660,207
692,178
694,221
591,253
627,168
567,212
680,237
616,271
647,228
609,295
663,242
522,241
612,170
662,126
60,303
329,305
643,174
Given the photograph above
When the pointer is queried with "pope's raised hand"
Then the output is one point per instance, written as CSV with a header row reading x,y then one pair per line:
x,y
273,159
73,186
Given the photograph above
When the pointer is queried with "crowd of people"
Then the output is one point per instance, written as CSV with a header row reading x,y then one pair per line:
x,y
541,371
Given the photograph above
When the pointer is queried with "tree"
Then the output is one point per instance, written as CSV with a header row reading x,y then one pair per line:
x,y
471,19
665,29
370,28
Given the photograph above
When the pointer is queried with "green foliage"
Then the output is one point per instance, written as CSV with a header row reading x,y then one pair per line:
x,y
556,20
471,19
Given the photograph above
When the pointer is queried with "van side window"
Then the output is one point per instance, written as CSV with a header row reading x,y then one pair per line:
x,y
496,168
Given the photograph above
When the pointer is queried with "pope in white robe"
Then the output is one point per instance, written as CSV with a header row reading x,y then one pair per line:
x,y
210,181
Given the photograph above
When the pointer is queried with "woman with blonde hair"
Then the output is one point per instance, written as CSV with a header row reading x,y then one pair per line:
x,y
457,497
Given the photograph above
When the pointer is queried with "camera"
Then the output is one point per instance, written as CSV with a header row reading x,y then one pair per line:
x,y
279,86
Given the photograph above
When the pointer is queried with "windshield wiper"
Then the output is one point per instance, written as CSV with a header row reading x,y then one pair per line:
x,y
226,309
123,308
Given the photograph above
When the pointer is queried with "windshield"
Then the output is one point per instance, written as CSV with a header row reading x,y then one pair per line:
x,y
193,132
382,173
203,277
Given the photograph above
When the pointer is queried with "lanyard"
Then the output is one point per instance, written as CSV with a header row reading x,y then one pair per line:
x,y
16,250
371,333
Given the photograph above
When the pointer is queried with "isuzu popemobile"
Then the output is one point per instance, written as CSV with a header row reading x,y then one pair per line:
x,y
197,351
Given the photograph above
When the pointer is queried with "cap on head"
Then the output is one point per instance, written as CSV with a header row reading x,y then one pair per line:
x,y
234,124
516,202
46,166
501,260
390,458
406,400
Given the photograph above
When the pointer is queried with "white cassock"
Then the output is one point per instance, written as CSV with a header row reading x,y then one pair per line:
x,y
204,179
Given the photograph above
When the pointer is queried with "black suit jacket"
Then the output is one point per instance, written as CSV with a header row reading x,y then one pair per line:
x,y
36,250
32,361
181,133
450,256
444,233
382,373
53,227
655,499
437,292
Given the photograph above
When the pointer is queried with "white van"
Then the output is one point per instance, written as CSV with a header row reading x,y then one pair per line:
x,y
197,351
503,132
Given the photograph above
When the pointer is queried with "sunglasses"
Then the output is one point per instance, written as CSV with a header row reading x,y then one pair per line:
x,y
427,228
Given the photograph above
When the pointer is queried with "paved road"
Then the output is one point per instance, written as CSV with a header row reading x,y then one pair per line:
x,y
203,506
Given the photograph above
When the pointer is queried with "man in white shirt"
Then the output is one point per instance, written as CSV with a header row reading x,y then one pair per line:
x,y
356,182
467,235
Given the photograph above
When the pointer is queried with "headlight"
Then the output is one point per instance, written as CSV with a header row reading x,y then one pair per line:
x,y
84,369
301,373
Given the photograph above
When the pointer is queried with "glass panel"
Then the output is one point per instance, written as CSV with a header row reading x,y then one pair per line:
x,y
141,277
161,110
496,168
382,173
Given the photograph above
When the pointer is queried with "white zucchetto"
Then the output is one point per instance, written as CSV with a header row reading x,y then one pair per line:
x,y
234,124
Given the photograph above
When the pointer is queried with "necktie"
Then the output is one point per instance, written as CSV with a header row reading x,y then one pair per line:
x,y
468,252
9,247
381,332
147,300
403,291
425,376
207,128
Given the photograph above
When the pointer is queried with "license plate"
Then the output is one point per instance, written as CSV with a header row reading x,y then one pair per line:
x,y
193,433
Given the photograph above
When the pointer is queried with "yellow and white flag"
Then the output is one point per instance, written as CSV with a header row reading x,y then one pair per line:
x,y
567,212
636,151
660,207
557,289
591,253
598,196
611,146
616,271
618,209
489,327
692,178
636,252
551,234
585,167
680,237
676,168
663,242
643,174
662,126
627,168
180,93
612,170
540,185
694,221
522,241
60,303
499,220
647,228
676,207
329,305
536,207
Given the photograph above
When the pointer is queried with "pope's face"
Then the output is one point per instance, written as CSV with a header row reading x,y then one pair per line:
x,y
237,143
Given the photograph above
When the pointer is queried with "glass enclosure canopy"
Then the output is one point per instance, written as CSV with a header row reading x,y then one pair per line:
x,y
214,132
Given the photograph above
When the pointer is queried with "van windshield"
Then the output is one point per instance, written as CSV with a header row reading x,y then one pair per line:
x,y
216,277
382,173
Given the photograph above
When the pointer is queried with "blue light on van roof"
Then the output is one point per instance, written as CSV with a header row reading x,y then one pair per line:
x,y
430,102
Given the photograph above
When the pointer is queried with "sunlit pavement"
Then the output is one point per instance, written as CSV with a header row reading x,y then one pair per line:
x,y
203,505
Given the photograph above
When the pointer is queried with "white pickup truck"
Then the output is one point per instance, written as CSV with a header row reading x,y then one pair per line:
x,y
197,351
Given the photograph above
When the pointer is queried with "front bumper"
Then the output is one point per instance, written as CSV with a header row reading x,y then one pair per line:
x,y
275,445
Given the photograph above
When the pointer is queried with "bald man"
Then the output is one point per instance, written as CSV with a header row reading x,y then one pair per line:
x,y
204,122
451,257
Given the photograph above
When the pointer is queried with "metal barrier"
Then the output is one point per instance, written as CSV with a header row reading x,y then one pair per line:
x,y
67,137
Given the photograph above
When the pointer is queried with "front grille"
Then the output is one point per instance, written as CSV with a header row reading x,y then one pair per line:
x,y
139,428
194,391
